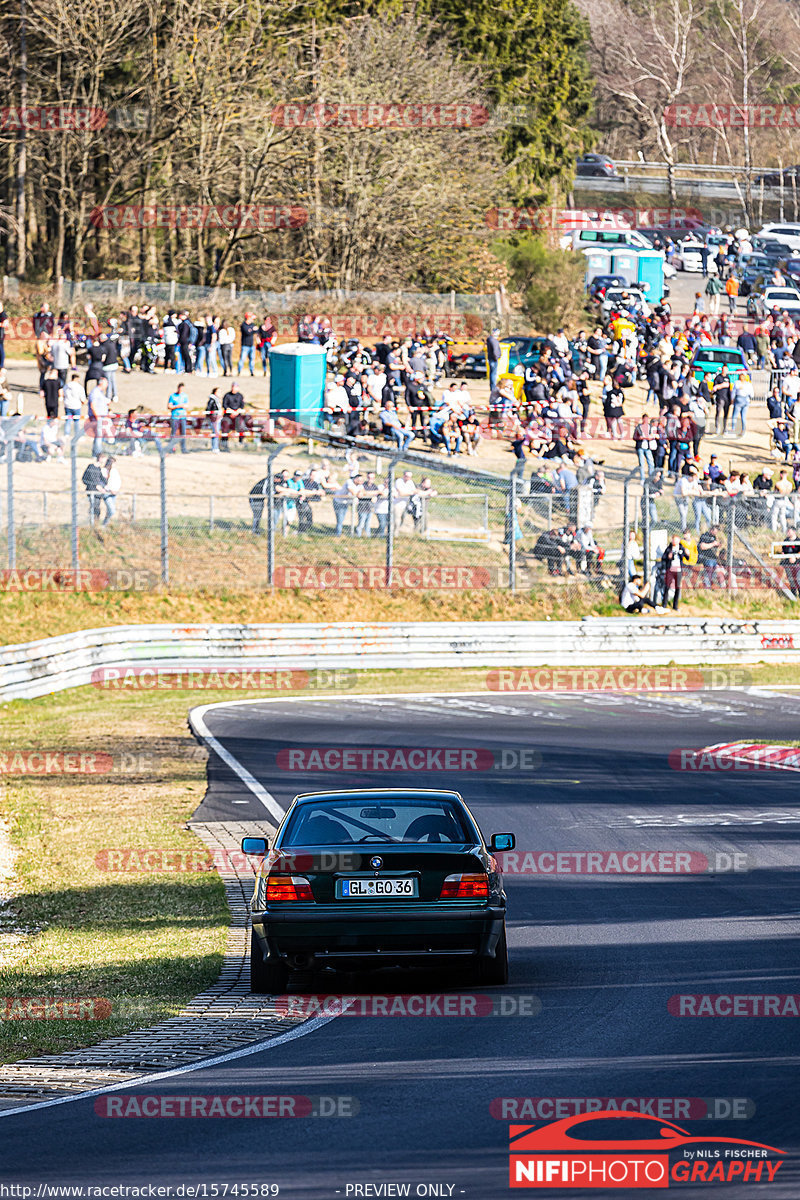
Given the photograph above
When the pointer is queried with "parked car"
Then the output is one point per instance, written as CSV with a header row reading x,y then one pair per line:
x,y
595,164
600,284
689,257
784,299
708,360
789,176
583,239
755,272
788,234
772,249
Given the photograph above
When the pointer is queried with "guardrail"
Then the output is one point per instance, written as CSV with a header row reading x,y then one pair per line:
x,y
76,659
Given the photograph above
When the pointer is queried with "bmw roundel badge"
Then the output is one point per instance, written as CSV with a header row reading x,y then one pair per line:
x,y
376,863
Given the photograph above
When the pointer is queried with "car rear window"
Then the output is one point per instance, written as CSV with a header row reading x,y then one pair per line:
x,y
346,822
719,354
601,235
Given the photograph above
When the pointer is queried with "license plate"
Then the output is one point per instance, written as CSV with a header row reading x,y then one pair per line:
x,y
378,889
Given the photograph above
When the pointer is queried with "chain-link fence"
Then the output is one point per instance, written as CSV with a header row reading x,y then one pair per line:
x,y
241,511
733,543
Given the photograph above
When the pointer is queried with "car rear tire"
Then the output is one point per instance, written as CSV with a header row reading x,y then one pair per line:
x,y
493,972
266,978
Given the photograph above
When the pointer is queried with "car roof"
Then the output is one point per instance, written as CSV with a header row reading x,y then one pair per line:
x,y
380,793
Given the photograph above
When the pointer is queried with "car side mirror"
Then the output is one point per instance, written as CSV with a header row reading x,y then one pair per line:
x,y
255,845
502,841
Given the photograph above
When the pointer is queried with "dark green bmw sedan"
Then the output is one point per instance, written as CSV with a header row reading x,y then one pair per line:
x,y
366,879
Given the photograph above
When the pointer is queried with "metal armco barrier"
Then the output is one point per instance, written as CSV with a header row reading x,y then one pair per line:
x,y
54,664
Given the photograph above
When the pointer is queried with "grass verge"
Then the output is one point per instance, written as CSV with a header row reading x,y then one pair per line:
x,y
31,615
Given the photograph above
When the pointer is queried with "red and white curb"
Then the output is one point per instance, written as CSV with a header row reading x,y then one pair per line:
x,y
737,756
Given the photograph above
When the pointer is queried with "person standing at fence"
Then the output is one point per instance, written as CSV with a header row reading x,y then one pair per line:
x,y
783,489
743,393
233,411
170,335
112,485
248,349
267,335
51,392
256,499
110,348
187,337
94,481
98,413
226,338
722,400
367,495
176,406
214,418
493,356
642,439
344,499
203,344
672,562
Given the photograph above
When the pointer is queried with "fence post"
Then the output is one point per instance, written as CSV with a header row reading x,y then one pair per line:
x,y
164,518
73,488
731,536
271,515
626,530
646,531
390,522
511,527
12,537
11,427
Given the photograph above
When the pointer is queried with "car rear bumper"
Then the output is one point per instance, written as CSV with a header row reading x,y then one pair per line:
x,y
380,936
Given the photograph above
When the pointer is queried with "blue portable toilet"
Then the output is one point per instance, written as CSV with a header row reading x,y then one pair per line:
x,y
651,272
297,382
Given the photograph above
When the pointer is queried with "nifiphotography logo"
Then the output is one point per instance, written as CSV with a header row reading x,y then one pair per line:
x,y
622,1149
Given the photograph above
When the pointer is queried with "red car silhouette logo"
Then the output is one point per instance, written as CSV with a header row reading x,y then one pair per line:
x,y
558,1137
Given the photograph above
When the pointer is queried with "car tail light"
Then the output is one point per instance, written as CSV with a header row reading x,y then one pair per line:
x,y
288,887
465,887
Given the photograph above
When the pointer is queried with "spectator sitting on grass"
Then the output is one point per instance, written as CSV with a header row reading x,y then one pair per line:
x,y
634,598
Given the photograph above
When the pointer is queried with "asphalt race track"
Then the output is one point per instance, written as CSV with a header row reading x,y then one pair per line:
x,y
601,955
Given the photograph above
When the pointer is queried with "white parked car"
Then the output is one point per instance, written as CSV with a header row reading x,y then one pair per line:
x,y
788,234
691,258
785,299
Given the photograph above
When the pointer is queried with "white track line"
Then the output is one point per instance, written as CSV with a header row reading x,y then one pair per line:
x,y
267,1044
